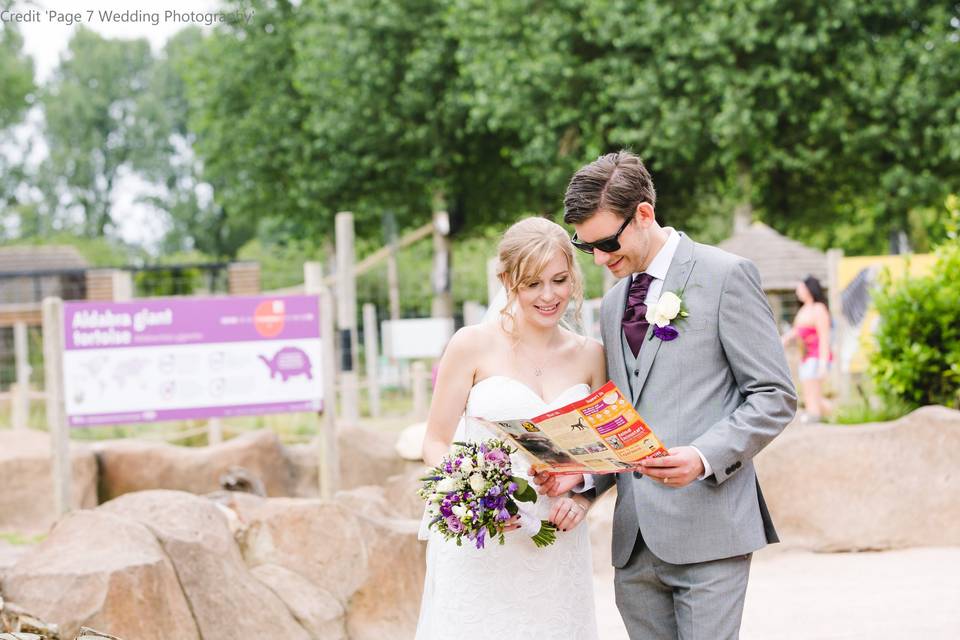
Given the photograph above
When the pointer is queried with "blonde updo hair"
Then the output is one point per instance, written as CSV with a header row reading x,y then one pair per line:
x,y
526,248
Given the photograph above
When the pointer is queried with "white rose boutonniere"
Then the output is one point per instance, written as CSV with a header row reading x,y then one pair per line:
x,y
667,309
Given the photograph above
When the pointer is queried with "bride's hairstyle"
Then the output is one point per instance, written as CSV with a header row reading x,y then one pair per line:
x,y
523,254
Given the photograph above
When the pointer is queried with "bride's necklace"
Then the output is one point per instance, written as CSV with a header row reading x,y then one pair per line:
x,y
538,368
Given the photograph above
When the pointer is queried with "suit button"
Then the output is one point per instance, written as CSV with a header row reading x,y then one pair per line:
x,y
729,470
637,475
737,466
636,372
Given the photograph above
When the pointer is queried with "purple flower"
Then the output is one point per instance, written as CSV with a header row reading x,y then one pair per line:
x,y
453,524
497,456
666,333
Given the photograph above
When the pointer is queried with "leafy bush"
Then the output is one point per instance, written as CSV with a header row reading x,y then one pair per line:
x,y
918,343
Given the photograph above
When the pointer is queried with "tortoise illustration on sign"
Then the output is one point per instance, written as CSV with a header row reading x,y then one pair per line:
x,y
288,362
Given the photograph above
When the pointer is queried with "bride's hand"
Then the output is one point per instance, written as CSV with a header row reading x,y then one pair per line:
x,y
567,513
512,524
553,484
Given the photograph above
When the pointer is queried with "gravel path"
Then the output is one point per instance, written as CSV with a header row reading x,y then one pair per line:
x,y
799,595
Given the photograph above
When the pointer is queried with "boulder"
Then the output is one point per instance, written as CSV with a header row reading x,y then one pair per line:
x,y
387,604
367,457
227,601
26,501
302,460
866,487
400,493
314,607
102,570
320,540
139,465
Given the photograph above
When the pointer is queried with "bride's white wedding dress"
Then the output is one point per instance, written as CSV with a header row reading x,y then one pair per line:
x,y
514,591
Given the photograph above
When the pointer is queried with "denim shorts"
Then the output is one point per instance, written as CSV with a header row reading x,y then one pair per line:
x,y
809,369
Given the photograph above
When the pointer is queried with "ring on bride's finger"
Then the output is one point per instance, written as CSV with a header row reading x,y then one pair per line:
x,y
666,481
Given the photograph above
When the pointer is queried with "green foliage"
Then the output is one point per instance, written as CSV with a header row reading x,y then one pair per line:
x,y
16,94
918,342
173,281
92,127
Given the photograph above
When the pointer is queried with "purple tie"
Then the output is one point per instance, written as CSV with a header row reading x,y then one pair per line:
x,y
634,316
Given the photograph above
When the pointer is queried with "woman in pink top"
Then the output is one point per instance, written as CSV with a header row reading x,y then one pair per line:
x,y
812,327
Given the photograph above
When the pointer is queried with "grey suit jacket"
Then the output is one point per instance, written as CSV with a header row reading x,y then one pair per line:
x,y
723,386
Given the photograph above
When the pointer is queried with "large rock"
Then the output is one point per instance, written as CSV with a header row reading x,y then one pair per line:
x,y
302,460
314,607
866,487
227,601
356,548
387,604
367,457
317,539
26,498
400,492
138,465
101,570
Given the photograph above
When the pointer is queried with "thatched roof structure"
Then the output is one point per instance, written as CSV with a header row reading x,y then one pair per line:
x,y
782,262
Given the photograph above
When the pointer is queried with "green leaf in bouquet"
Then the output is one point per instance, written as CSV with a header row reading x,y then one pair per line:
x,y
524,492
512,508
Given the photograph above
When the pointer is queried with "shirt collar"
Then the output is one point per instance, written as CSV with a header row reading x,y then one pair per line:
x,y
661,262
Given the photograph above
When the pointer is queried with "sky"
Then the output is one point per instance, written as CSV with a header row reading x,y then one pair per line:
x,y
45,39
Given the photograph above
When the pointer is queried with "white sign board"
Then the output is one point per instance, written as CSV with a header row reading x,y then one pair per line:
x,y
416,337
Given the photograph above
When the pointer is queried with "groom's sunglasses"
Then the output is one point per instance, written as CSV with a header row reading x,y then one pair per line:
x,y
607,245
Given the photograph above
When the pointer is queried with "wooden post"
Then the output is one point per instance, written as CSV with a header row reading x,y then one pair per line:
x,y
347,316
472,312
329,457
419,381
371,348
214,431
122,285
393,279
442,306
20,400
56,412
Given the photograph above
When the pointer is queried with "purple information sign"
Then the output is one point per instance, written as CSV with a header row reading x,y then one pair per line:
x,y
181,358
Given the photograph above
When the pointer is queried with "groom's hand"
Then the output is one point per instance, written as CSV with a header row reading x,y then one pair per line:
x,y
552,484
678,469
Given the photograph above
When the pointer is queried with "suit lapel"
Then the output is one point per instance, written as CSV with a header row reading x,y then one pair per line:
x,y
676,279
611,334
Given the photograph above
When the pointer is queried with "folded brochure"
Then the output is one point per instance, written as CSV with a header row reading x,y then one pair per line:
x,y
601,433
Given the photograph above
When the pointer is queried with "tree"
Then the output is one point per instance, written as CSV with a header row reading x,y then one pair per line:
x,y
197,220
806,114
92,125
16,94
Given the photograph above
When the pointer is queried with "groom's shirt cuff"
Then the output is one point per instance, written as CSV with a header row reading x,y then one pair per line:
x,y
586,485
707,469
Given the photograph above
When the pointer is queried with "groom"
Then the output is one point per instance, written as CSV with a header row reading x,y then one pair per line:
x,y
714,386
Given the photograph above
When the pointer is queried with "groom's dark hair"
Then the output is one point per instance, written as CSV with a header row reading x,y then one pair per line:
x,y
616,182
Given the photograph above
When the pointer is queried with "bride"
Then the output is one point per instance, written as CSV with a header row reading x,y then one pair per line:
x,y
519,365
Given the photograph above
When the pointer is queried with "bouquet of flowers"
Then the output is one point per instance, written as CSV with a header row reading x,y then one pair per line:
x,y
472,493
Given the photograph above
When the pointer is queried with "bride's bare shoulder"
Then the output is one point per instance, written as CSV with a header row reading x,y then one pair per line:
x,y
474,338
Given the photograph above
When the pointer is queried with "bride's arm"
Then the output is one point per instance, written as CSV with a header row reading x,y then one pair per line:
x,y
454,380
597,362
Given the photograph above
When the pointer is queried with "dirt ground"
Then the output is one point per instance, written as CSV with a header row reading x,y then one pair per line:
x,y
799,595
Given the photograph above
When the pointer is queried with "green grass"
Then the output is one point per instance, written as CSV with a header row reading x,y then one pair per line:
x,y
396,406
19,539
875,410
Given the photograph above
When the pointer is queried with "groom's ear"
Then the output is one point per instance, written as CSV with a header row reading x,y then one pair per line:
x,y
645,214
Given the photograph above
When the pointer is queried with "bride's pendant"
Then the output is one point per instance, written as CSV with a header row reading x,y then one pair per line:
x,y
538,372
